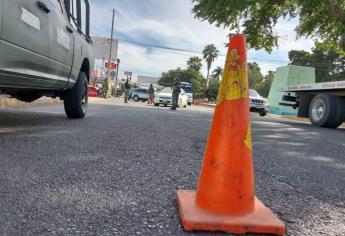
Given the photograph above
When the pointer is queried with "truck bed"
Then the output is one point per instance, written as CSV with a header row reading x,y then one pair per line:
x,y
337,85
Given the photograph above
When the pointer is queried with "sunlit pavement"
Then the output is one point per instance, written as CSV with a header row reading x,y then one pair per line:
x,y
116,172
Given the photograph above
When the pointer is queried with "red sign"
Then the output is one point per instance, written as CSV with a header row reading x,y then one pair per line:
x,y
96,73
113,65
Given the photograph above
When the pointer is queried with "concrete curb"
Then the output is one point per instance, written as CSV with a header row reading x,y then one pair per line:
x,y
206,105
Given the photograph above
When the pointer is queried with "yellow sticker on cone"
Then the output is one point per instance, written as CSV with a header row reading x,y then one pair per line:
x,y
234,84
248,139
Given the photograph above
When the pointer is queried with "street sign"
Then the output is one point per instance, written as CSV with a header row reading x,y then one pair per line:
x,y
96,73
113,65
128,73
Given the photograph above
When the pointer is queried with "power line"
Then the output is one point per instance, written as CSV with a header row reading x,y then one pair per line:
x,y
180,51
144,45
158,46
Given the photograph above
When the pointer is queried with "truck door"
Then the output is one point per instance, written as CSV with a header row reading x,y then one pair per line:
x,y
24,41
62,43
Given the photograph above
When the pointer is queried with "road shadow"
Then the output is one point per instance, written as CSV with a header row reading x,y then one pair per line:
x,y
26,120
299,172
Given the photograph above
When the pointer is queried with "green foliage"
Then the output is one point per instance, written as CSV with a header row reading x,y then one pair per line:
x,y
257,81
329,62
323,19
192,76
210,53
194,63
217,73
264,86
254,75
213,88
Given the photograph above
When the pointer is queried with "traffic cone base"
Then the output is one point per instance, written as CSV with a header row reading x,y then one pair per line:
x,y
261,220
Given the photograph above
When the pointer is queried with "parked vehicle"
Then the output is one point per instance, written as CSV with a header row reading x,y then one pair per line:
x,y
140,94
46,50
187,87
322,103
258,103
93,92
164,97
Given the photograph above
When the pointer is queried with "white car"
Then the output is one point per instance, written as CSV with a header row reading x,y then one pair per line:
x,y
258,103
164,97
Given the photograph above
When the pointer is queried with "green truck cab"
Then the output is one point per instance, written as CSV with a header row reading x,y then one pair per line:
x,y
46,50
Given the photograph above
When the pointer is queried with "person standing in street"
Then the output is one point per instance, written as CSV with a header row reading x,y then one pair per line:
x,y
127,88
151,94
175,95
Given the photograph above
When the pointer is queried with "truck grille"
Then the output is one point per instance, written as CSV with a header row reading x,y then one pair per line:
x,y
256,101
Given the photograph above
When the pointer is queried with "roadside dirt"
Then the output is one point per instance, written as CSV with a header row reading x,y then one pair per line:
x,y
6,101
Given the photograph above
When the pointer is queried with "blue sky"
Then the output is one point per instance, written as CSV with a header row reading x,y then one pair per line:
x,y
171,24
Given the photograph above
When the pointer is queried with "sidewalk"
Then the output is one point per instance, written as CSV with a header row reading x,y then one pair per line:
x,y
207,105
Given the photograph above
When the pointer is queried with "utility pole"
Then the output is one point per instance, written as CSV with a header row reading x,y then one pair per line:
x,y
110,51
117,68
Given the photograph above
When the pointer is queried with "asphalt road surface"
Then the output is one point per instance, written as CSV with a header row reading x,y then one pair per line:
x,y
117,171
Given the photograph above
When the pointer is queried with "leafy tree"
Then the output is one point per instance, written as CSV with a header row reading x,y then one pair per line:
x,y
217,73
264,86
257,19
210,53
192,76
255,76
300,57
213,88
257,81
329,63
194,63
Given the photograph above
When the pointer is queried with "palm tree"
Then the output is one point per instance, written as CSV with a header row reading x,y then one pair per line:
x,y
217,73
194,63
210,53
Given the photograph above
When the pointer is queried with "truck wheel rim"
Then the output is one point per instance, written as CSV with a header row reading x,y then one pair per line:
x,y
318,109
84,98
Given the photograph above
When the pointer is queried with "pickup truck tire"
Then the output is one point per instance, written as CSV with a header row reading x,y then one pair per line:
x,y
263,113
304,105
76,99
327,111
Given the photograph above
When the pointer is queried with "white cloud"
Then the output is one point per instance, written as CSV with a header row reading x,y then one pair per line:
x,y
152,63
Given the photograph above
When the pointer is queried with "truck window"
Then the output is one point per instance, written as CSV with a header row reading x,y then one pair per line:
x,y
83,17
73,14
79,15
57,4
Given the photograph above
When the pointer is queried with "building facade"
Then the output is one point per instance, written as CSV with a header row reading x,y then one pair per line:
x,y
101,48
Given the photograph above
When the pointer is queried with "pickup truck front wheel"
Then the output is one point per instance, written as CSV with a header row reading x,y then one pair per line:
x,y
76,99
263,113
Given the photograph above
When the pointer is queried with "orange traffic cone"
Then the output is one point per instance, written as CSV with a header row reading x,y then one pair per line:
x,y
225,198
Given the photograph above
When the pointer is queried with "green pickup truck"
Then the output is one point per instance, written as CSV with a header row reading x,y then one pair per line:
x,y
46,50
